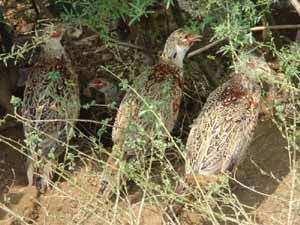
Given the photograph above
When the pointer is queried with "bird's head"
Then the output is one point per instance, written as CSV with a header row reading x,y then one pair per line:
x,y
52,45
177,45
97,84
108,88
54,32
255,67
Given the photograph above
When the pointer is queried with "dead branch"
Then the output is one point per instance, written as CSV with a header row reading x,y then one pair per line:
x,y
87,40
200,50
129,45
275,27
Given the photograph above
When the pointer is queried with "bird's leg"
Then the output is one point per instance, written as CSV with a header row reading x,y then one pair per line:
x,y
106,181
45,177
30,171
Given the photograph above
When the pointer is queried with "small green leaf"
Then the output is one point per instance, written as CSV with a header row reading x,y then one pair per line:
x,y
16,101
54,75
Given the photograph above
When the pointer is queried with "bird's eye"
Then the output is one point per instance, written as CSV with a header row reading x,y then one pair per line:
x,y
175,54
187,36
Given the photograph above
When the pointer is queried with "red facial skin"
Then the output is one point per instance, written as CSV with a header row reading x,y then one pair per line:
x,y
56,34
97,84
188,40
251,65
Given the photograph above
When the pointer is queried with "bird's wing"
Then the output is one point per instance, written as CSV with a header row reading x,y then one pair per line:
x,y
220,134
151,99
50,100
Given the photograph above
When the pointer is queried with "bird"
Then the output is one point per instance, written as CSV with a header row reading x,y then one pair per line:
x,y
219,136
104,95
221,133
162,85
50,108
109,89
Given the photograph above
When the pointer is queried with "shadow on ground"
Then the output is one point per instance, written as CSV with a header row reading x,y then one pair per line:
x,y
12,168
265,167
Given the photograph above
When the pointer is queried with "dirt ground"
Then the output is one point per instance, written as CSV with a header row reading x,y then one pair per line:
x,y
266,170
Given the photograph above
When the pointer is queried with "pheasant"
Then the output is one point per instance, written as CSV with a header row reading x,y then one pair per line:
x,y
50,107
161,86
220,135
222,132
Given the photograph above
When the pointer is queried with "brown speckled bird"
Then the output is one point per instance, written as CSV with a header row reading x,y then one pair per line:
x,y
50,107
161,87
220,135
222,132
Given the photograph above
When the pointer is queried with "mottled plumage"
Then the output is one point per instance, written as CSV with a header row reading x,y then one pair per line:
x,y
50,107
161,88
224,128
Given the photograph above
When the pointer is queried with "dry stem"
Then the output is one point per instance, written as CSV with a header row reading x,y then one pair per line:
x,y
253,29
296,5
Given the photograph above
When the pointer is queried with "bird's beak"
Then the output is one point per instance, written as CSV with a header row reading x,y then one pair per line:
x,y
191,39
195,38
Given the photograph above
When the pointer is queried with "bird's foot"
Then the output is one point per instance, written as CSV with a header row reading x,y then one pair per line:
x,y
105,192
46,177
41,178
109,179
106,186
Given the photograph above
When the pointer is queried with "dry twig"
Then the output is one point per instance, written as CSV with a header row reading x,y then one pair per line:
x,y
296,5
200,50
275,27
126,44
253,29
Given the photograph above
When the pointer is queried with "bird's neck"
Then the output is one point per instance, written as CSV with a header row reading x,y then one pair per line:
x,y
173,63
248,82
110,93
174,55
53,49
179,63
